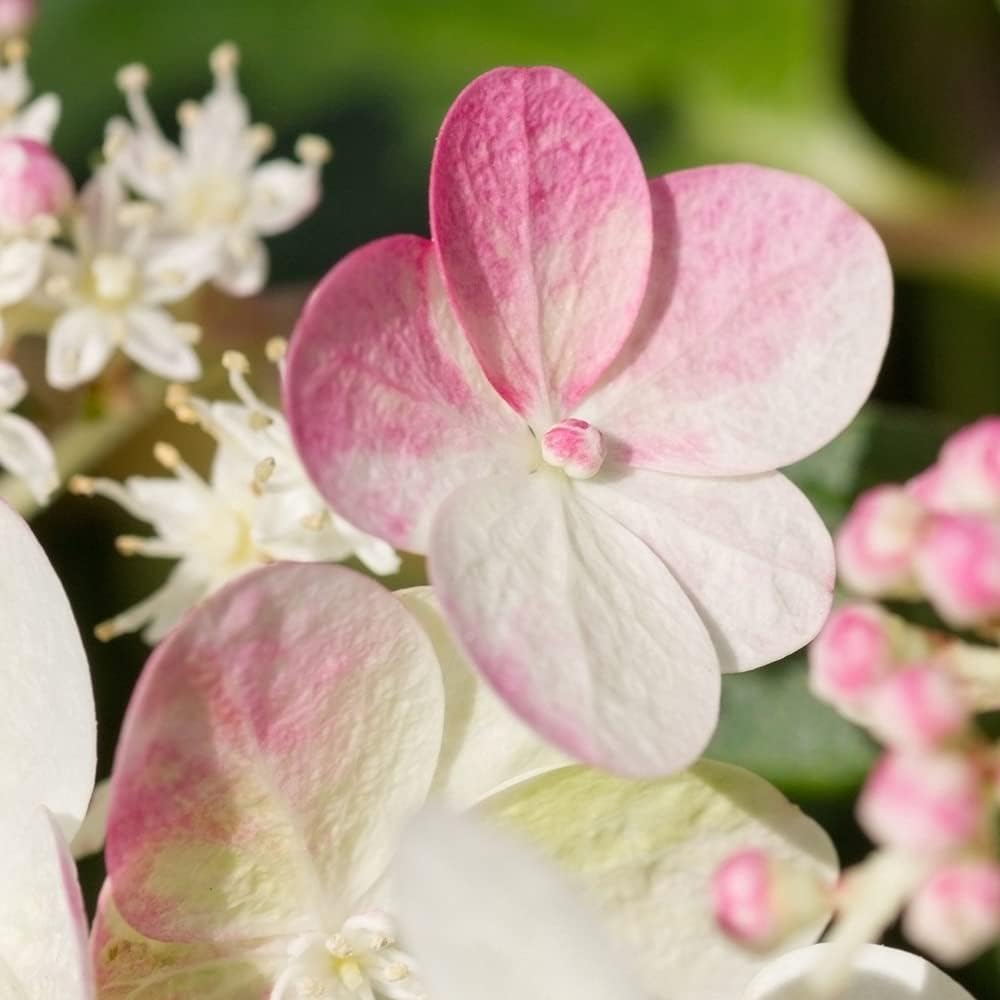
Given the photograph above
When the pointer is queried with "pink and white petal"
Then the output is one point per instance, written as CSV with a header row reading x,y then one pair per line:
x,y
486,917
243,265
485,747
276,741
48,738
645,852
21,262
750,552
541,216
154,342
43,926
26,452
388,407
878,973
282,194
763,329
80,342
129,966
575,623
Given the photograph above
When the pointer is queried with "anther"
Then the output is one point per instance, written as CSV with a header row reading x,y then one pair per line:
x,y
190,333
81,486
259,421
224,59
260,138
128,545
15,50
236,361
188,113
275,349
167,455
313,150
131,78
263,470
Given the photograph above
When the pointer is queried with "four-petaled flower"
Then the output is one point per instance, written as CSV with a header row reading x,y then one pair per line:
x,y
573,399
277,742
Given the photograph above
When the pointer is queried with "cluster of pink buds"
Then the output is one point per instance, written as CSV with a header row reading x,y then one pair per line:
x,y
930,803
937,537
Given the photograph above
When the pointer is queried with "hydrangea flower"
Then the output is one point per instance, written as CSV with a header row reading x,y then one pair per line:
x,y
19,115
48,746
573,399
211,185
256,506
278,740
489,919
112,291
24,450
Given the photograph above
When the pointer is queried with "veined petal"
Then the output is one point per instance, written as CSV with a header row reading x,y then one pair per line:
x,y
576,624
750,552
764,325
485,917
152,340
26,452
275,742
646,851
43,927
48,738
282,194
878,972
21,263
388,407
485,747
541,216
129,966
80,342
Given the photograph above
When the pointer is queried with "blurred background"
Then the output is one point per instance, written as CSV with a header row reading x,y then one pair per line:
x,y
895,104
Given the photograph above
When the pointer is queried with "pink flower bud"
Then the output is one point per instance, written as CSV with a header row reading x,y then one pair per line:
x,y
922,802
969,469
850,656
876,542
958,566
955,914
758,901
33,182
16,17
574,446
917,708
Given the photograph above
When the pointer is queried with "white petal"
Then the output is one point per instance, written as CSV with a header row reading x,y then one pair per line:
x,y
485,747
47,731
751,553
243,270
282,194
20,268
486,918
43,928
173,268
13,388
879,974
153,342
577,625
26,452
646,851
37,120
80,343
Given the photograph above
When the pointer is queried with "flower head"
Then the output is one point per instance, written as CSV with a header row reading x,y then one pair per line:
x,y
255,507
24,450
573,399
279,739
111,291
211,186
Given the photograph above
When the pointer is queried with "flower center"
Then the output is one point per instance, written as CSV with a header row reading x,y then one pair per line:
x,y
359,962
574,446
113,279
210,201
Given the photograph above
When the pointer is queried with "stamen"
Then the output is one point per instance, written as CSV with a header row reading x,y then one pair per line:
x,y
85,486
132,80
263,471
317,521
260,138
224,60
133,77
275,350
259,421
188,114
190,333
154,548
169,457
133,618
313,150
16,50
